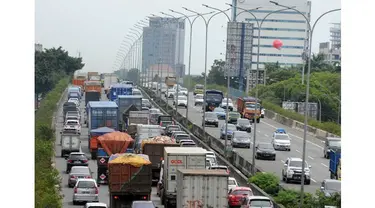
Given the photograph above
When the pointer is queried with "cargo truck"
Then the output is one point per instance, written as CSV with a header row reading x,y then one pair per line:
x,y
90,74
154,148
93,140
79,82
138,117
202,188
124,103
119,89
92,96
108,80
93,86
102,114
145,132
213,100
246,107
109,144
179,158
170,81
335,164
129,181
69,143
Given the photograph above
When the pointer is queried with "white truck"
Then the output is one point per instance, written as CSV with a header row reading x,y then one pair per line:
x,y
202,188
70,143
108,80
179,158
145,132
138,117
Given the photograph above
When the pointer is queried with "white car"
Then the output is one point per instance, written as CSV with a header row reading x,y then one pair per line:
x,y
85,190
232,183
224,104
198,99
95,205
281,141
183,91
262,112
73,124
258,201
182,101
292,170
74,100
171,93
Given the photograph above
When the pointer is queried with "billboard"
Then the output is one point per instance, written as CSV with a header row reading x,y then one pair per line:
x,y
238,48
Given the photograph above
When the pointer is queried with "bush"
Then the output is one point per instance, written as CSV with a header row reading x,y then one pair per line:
x,y
327,126
291,198
268,182
47,177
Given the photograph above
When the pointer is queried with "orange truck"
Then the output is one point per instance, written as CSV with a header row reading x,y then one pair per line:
x,y
246,107
93,86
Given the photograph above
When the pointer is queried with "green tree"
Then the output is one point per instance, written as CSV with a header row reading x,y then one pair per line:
x,y
216,74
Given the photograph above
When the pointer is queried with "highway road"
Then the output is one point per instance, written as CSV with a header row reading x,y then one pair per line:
x,y
61,163
265,129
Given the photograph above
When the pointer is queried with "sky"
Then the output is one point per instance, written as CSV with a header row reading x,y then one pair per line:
x,y
96,28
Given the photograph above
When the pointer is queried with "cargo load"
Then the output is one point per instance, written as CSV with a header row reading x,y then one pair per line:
x,y
93,86
93,140
138,117
129,179
90,74
154,148
108,144
202,188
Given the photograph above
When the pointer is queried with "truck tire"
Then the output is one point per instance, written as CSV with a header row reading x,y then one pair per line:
x,y
258,120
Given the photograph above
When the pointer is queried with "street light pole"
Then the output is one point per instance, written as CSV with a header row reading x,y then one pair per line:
x,y
259,24
307,90
207,22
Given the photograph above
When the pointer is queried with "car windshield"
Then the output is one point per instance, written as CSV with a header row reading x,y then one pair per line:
x,y
199,96
183,89
231,182
242,192
230,127
252,106
234,115
77,157
265,146
182,136
297,164
214,96
80,170
174,128
145,101
199,87
212,159
281,137
243,121
219,110
182,98
211,115
334,143
241,134
86,184
219,168
333,185
260,203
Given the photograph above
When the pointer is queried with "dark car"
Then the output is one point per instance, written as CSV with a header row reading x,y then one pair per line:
x,y
241,139
170,128
76,159
243,124
265,151
233,117
330,187
223,132
211,119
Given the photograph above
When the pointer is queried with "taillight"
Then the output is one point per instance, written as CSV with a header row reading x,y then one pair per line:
x,y
75,190
145,197
96,190
161,123
115,197
70,161
88,177
231,197
72,176
85,161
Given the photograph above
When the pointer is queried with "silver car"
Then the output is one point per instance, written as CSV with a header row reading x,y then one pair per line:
x,y
85,190
96,205
78,172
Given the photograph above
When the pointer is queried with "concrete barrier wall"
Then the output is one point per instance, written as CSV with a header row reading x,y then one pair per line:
x,y
238,166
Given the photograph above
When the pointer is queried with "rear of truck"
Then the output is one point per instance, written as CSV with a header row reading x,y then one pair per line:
x,y
335,164
129,179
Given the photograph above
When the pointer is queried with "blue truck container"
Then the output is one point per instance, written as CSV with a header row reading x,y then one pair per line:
x,y
125,101
102,114
334,164
119,89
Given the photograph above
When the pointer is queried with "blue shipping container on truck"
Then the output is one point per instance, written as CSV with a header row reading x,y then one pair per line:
x,y
102,114
120,89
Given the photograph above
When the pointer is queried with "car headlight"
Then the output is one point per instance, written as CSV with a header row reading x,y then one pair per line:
x,y
290,171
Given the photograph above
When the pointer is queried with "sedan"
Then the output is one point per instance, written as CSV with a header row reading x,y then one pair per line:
x,y
233,117
241,139
85,190
171,128
73,124
243,124
265,151
78,172
229,131
236,196
211,119
76,159
220,113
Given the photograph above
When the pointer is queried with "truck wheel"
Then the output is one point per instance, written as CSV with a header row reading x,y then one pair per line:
x,y
216,125
307,182
286,180
258,120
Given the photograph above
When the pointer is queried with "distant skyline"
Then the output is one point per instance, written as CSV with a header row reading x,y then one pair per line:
x,y
97,28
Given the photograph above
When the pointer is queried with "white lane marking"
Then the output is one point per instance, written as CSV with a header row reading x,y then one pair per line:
x,y
282,161
266,135
294,136
311,157
298,151
313,180
258,131
324,165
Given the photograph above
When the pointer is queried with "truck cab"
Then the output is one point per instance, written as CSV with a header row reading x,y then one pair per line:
x,y
213,100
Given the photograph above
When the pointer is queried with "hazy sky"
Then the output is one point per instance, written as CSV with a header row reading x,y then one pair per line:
x,y
97,28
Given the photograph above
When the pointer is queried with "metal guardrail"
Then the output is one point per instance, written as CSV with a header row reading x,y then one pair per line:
x,y
238,166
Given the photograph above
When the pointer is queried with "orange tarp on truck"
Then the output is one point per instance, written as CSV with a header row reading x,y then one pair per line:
x,y
78,82
115,142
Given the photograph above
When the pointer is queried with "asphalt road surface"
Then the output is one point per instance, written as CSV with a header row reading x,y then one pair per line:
x,y
265,129
61,163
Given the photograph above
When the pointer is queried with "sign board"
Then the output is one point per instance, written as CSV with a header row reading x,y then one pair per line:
x,y
239,48
299,107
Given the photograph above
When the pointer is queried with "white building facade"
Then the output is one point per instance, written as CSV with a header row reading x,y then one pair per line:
x,y
288,26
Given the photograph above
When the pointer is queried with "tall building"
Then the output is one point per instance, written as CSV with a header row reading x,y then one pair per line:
x,y
288,26
332,50
163,43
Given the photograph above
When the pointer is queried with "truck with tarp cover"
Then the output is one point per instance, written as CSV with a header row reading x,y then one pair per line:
x,y
109,144
154,148
93,140
129,179
213,99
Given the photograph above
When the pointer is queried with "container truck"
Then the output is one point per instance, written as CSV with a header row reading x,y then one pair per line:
x,y
138,117
93,140
125,102
102,114
119,89
179,158
202,188
109,144
91,96
108,80
129,179
154,148
246,107
145,132
335,164
93,86
69,143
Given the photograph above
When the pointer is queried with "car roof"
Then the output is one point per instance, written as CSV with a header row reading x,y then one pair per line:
x,y
77,153
72,120
179,134
219,166
334,138
96,204
241,188
143,202
331,180
258,197
80,167
231,178
295,159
